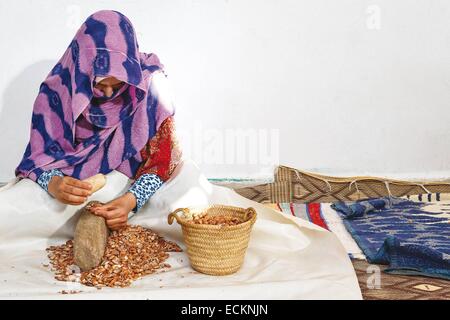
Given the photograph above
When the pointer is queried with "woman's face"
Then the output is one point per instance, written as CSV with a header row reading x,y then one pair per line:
x,y
109,85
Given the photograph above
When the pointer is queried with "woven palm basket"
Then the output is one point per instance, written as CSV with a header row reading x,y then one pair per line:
x,y
214,249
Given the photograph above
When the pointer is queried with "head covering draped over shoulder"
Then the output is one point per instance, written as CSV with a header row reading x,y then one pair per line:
x,y
76,130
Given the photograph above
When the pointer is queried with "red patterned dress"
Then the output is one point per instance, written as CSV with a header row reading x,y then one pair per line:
x,y
160,157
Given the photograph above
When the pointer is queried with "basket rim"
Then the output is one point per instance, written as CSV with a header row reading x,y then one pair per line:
x,y
183,222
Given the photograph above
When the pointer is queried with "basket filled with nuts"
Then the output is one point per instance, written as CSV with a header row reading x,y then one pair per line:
x,y
216,237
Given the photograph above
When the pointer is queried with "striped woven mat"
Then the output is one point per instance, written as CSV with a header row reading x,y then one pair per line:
x,y
322,215
293,185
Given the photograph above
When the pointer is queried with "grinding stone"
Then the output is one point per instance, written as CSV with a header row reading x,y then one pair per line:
x,y
91,235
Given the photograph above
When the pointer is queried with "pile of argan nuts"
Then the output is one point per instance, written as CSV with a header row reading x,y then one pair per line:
x,y
220,220
131,253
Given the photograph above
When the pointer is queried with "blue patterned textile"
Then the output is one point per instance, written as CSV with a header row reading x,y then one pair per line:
x,y
144,187
46,176
404,234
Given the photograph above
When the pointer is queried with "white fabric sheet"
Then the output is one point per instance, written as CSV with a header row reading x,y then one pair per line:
x,y
287,258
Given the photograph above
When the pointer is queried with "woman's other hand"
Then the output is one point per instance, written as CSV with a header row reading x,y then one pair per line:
x,y
69,190
116,211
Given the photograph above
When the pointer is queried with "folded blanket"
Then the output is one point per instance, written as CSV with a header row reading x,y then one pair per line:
x,y
322,215
411,237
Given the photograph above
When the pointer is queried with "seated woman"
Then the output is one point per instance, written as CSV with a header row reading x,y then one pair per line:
x,y
103,107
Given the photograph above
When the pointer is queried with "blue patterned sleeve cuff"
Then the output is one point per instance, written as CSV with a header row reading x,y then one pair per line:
x,y
144,187
46,176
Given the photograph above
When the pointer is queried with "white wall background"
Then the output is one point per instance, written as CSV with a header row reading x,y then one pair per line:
x,y
349,86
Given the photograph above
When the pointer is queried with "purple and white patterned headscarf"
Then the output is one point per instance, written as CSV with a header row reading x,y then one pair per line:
x,y
78,131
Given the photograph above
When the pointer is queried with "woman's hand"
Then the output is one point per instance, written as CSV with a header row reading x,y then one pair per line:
x,y
116,211
69,190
